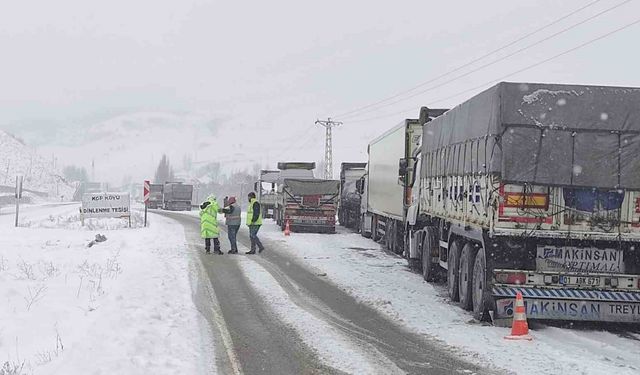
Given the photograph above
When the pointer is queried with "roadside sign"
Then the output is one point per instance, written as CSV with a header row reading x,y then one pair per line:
x,y
106,205
147,191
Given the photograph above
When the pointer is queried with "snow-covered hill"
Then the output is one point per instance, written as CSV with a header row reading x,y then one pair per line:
x,y
16,158
128,147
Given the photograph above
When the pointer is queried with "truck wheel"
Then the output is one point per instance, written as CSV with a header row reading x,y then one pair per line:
x,y
428,268
482,299
453,261
467,261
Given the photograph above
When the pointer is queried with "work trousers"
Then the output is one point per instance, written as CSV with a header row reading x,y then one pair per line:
x,y
253,235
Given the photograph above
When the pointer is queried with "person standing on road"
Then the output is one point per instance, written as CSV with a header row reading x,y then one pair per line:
x,y
233,220
254,221
209,224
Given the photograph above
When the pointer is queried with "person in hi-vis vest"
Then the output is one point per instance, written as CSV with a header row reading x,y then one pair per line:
x,y
254,221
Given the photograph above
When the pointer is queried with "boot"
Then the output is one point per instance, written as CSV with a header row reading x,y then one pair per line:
x,y
217,251
208,251
233,252
253,251
261,249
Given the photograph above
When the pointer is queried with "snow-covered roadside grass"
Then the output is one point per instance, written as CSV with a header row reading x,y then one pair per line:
x,y
333,348
122,306
360,267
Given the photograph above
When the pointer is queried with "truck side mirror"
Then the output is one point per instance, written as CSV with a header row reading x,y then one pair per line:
x,y
255,186
359,186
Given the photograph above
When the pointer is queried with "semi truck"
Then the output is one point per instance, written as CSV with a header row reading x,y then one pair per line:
x,y
309,205
530,188
384,195
265,188
156,192
349,203
289,170
177,196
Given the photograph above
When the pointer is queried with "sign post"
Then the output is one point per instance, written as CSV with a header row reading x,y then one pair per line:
x,y
18,196
147,189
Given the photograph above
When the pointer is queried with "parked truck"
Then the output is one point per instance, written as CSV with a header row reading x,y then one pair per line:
x,y
385,196
310,205
177,196
349,203
289,170
156,197
265,188
530,188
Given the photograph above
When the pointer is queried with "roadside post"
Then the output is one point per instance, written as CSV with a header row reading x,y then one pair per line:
x,y
146,193
18,196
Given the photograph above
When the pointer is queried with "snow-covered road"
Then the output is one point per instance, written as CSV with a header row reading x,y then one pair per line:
x,y
363,269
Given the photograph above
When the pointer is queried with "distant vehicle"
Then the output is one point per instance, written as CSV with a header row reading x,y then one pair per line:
x,y
265,188
177,196
310,205
289,170
156,196
349,203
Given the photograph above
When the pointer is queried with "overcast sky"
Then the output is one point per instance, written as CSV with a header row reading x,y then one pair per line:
x,y
281,64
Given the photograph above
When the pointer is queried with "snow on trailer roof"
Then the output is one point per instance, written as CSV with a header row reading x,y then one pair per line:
x,y
551,134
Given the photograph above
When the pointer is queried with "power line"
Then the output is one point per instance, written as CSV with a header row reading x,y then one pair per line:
x,y
472,61
493,62
510,74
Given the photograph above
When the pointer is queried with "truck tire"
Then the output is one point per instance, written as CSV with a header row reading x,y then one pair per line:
x,y
429,269
481,295
465,283
453,262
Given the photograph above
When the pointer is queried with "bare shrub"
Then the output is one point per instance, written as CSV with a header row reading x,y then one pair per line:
x,y
48,270
12,368
35,295
46,356
25,270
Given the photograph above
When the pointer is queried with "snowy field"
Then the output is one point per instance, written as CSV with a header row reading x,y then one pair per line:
x,y
122,306
360,267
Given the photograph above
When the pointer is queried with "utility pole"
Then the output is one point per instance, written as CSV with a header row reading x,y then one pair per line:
x,y
328,146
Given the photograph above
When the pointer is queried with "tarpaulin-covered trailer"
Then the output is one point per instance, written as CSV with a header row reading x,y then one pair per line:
x,y
533,188
310,205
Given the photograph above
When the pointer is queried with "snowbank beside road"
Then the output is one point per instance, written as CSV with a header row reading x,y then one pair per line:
x,y
120,307
360,267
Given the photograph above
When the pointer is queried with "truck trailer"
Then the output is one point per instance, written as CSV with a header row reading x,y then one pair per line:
x,y
349,203
177,196
265,188
384,195
530,188
155,196
309,205
289,170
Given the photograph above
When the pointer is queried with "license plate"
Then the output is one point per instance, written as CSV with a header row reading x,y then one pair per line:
x,y
580,280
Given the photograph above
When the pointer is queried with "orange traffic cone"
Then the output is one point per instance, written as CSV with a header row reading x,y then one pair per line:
x,y
520,328
287,231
